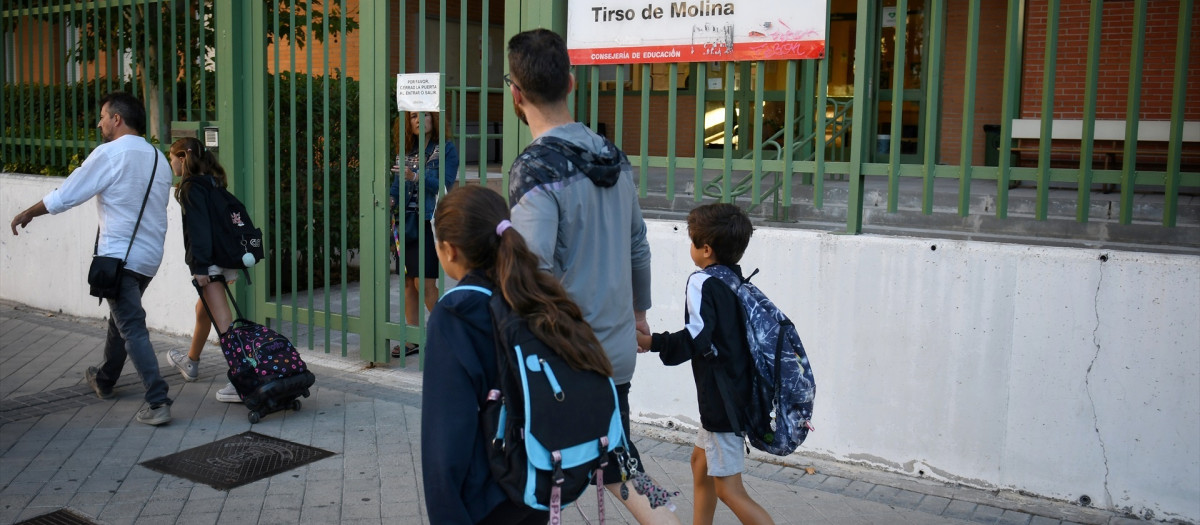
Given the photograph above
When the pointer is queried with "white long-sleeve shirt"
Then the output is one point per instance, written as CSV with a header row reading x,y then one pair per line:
x,y
117,173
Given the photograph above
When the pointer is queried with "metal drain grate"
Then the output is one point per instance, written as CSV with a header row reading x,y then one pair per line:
x,y
236,460
58,517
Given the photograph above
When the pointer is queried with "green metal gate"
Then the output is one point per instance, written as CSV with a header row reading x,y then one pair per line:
x,y
333,130
299,96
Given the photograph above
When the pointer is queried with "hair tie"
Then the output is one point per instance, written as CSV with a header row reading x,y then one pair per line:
x,y
504,225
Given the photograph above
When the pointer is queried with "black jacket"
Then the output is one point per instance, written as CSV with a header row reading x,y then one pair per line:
x,y
197,223
713,319
459,365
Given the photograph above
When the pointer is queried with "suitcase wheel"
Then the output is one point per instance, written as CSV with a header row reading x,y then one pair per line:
x,y
253,417
296,404
305,392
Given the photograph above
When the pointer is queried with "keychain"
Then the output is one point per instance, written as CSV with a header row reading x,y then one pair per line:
x,y
645,486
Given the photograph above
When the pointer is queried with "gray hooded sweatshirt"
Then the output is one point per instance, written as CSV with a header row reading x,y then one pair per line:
x,y
575,201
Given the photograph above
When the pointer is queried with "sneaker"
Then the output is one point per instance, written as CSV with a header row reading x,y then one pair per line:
x,y
228,394
190,370
102,393
155,415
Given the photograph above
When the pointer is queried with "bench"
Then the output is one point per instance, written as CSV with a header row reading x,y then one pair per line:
x,y
1108,136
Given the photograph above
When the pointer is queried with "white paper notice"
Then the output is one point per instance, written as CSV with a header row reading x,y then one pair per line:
x,y
418,91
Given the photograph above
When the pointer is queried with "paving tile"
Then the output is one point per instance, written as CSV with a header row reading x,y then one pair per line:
x,y
881,494
986,514
835,484
280,515
1012,517
959,509
857,489
933,504
208,518
909,499
321,514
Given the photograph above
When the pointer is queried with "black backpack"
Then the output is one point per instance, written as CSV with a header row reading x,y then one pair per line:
x,y
571,425
234,234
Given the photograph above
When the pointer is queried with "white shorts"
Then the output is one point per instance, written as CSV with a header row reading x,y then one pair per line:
x,y
723,451
230,275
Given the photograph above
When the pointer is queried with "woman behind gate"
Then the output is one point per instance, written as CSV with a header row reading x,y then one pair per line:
x,y
420,258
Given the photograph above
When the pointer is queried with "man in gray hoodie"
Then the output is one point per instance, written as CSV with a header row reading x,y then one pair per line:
x,y
574,199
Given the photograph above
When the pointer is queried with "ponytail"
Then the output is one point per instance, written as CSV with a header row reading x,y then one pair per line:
x,y
196,161
473,219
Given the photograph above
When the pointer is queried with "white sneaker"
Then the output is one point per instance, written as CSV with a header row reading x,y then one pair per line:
x,y
228,394
190,370
155,416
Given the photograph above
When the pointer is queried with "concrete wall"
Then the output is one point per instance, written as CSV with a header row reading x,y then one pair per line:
x,y
1059,372
46,264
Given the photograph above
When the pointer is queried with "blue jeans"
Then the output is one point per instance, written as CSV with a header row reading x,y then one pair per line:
x,y
128,336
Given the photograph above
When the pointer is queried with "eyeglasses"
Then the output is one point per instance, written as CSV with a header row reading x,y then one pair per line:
x,y
508,81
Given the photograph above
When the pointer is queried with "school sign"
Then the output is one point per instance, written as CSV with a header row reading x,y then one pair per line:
x,y
641,31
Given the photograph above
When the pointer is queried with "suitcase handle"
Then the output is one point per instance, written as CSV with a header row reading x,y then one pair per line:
x,y
228,293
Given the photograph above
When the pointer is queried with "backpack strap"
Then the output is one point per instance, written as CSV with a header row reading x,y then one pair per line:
x,y
723,385
468,288
726,395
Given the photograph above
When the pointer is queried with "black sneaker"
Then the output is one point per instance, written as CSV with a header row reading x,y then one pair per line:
x,y
102,393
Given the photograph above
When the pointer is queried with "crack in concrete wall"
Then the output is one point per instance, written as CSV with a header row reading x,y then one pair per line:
x,y
1087,381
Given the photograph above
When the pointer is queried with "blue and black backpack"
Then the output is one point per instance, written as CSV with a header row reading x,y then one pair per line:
x,y
552,426
776,420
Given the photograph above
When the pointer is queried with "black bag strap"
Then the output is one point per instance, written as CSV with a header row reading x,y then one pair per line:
x,y
726,391
136,225
722,377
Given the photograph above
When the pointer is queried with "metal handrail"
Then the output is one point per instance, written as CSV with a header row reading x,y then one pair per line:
x,y
841,126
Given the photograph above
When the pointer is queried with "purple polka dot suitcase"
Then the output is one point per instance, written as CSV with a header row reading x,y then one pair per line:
x,y
264,366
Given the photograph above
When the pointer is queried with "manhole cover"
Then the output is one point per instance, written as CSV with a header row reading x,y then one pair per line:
x,y
58,517
236,460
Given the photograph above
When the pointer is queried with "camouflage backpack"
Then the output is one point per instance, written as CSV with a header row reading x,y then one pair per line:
x,y
776,420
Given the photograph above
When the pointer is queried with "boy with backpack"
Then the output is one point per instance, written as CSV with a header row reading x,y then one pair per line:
x,y
714,339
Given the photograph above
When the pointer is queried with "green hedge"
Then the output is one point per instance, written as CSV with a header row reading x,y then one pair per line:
x,y
36,117
318,154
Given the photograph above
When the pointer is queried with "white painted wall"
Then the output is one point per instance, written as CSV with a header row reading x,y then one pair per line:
x,y
994,365
46,264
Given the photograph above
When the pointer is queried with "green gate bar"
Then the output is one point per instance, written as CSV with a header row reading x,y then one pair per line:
x,y
162,53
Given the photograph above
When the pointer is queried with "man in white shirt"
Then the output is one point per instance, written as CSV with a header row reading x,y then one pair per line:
x,y
118,174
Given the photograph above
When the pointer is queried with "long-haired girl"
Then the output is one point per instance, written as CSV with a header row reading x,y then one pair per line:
x,y
200,174
441,162
478,248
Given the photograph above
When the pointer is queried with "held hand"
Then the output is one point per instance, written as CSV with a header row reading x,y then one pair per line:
x,y
642,326
643,332
201,280
643,340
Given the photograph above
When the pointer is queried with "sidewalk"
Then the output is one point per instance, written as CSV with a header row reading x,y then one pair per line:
x,y
62,447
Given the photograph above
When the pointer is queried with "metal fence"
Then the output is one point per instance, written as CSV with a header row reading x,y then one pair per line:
x,y
60,57
301,96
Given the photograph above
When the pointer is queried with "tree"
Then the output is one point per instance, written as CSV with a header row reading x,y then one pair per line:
x,y
169,40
